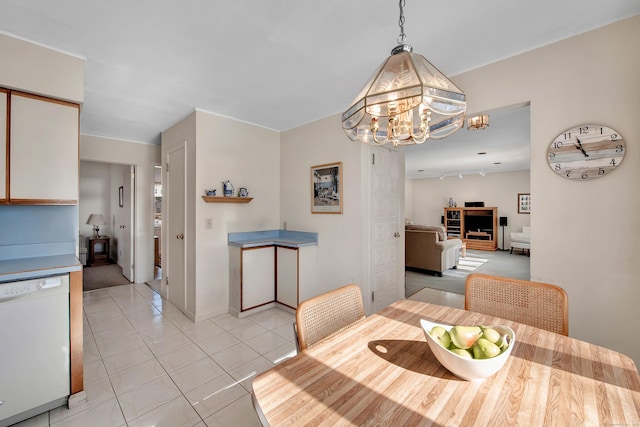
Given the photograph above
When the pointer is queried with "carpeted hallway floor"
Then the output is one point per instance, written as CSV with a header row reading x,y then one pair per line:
x,y
102,276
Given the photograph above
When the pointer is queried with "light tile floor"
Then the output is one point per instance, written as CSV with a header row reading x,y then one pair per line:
x,y
146,364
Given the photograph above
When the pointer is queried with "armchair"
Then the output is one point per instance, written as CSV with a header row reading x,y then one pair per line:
x,y
522,240
427,248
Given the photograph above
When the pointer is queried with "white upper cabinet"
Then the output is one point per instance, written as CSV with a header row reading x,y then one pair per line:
x,y
3,145
43,150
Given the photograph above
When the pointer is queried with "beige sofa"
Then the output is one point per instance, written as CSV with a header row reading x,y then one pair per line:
x,y
427,248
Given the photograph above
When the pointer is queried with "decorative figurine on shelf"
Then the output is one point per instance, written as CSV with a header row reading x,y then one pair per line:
x,y
243,192
451,202
210,193
227,188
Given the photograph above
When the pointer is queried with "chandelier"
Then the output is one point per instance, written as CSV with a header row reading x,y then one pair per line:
x,y
405,102
478,122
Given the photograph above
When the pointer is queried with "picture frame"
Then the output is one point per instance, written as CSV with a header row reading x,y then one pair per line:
x,y
326,188
524,203
121,196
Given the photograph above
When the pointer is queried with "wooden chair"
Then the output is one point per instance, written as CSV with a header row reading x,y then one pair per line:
x,y
536,304
328,313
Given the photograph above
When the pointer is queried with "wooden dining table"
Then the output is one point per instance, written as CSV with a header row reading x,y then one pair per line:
x,y
381,371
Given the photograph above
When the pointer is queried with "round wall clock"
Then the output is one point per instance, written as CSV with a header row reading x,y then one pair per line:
x,y
586,152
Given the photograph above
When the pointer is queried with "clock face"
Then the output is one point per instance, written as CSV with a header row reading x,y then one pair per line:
x,y
586,152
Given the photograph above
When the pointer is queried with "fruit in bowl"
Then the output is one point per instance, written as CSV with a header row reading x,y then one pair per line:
x,y
469,352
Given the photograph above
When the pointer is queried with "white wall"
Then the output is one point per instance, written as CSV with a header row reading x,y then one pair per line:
x,y
95,196
144,157
431,196
248,156
37,69
585,233
340,252
220,149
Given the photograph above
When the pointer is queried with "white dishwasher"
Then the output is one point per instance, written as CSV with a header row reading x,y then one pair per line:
x,y
34,347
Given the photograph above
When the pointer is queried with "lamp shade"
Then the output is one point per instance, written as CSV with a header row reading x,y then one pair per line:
x,y
96,219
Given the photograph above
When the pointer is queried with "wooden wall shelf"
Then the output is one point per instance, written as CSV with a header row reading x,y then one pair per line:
x,y
222,199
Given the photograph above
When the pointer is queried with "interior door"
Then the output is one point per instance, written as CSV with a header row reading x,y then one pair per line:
x,y
175,235
385,178
126,238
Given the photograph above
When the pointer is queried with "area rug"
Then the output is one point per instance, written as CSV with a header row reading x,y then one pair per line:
x,y
103,276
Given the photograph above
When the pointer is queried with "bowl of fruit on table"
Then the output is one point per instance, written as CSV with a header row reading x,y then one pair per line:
x,y
469,352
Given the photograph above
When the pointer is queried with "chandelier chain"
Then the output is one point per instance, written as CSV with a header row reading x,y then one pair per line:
x,y
402,37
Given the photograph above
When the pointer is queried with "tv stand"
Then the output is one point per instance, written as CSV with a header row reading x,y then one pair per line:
x,y
477,227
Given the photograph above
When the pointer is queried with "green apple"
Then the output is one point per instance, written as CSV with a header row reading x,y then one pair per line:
x,y
490,334
485,349
464,336
441,335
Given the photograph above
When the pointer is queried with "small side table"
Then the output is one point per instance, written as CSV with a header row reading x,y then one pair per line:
x,y
98,257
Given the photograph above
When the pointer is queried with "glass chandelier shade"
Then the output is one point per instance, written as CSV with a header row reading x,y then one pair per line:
x,y
406,101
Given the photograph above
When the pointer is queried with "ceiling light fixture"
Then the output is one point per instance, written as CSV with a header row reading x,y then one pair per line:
x,y
407,101
459,175
441,177
478,122
482,173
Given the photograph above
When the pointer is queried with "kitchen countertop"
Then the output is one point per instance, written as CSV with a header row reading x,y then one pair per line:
x,y
288,238
28,268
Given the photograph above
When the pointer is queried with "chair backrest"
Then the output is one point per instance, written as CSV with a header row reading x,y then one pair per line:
x,y
536,304
328,313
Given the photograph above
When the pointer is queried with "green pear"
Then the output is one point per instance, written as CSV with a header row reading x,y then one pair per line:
x,y
463,353
441,335
490,334
503,342
464,336
485,349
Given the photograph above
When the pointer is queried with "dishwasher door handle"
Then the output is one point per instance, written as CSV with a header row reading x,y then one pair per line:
x,y
51,282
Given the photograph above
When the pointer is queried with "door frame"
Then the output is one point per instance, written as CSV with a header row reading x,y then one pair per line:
x,y
132,211
165,240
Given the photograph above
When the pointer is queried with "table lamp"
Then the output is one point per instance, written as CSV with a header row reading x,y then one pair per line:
x,y
96,220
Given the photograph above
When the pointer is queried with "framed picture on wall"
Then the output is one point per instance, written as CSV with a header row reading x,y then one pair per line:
x,y
120,196
524,203
326,189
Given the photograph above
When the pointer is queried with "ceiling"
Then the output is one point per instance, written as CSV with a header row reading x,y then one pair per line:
x,y
505,143
275,63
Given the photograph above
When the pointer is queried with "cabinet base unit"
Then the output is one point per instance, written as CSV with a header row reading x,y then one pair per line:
x,y
251,278
271,269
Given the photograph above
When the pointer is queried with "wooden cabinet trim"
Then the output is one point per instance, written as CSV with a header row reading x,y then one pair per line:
x,y
75,331
6,145
8,199
44,98
242,251
297,250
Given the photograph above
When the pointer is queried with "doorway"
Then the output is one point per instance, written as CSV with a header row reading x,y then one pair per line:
x,y
107,189
157,228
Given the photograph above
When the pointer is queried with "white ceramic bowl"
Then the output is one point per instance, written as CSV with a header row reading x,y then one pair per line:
x,y
468,369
